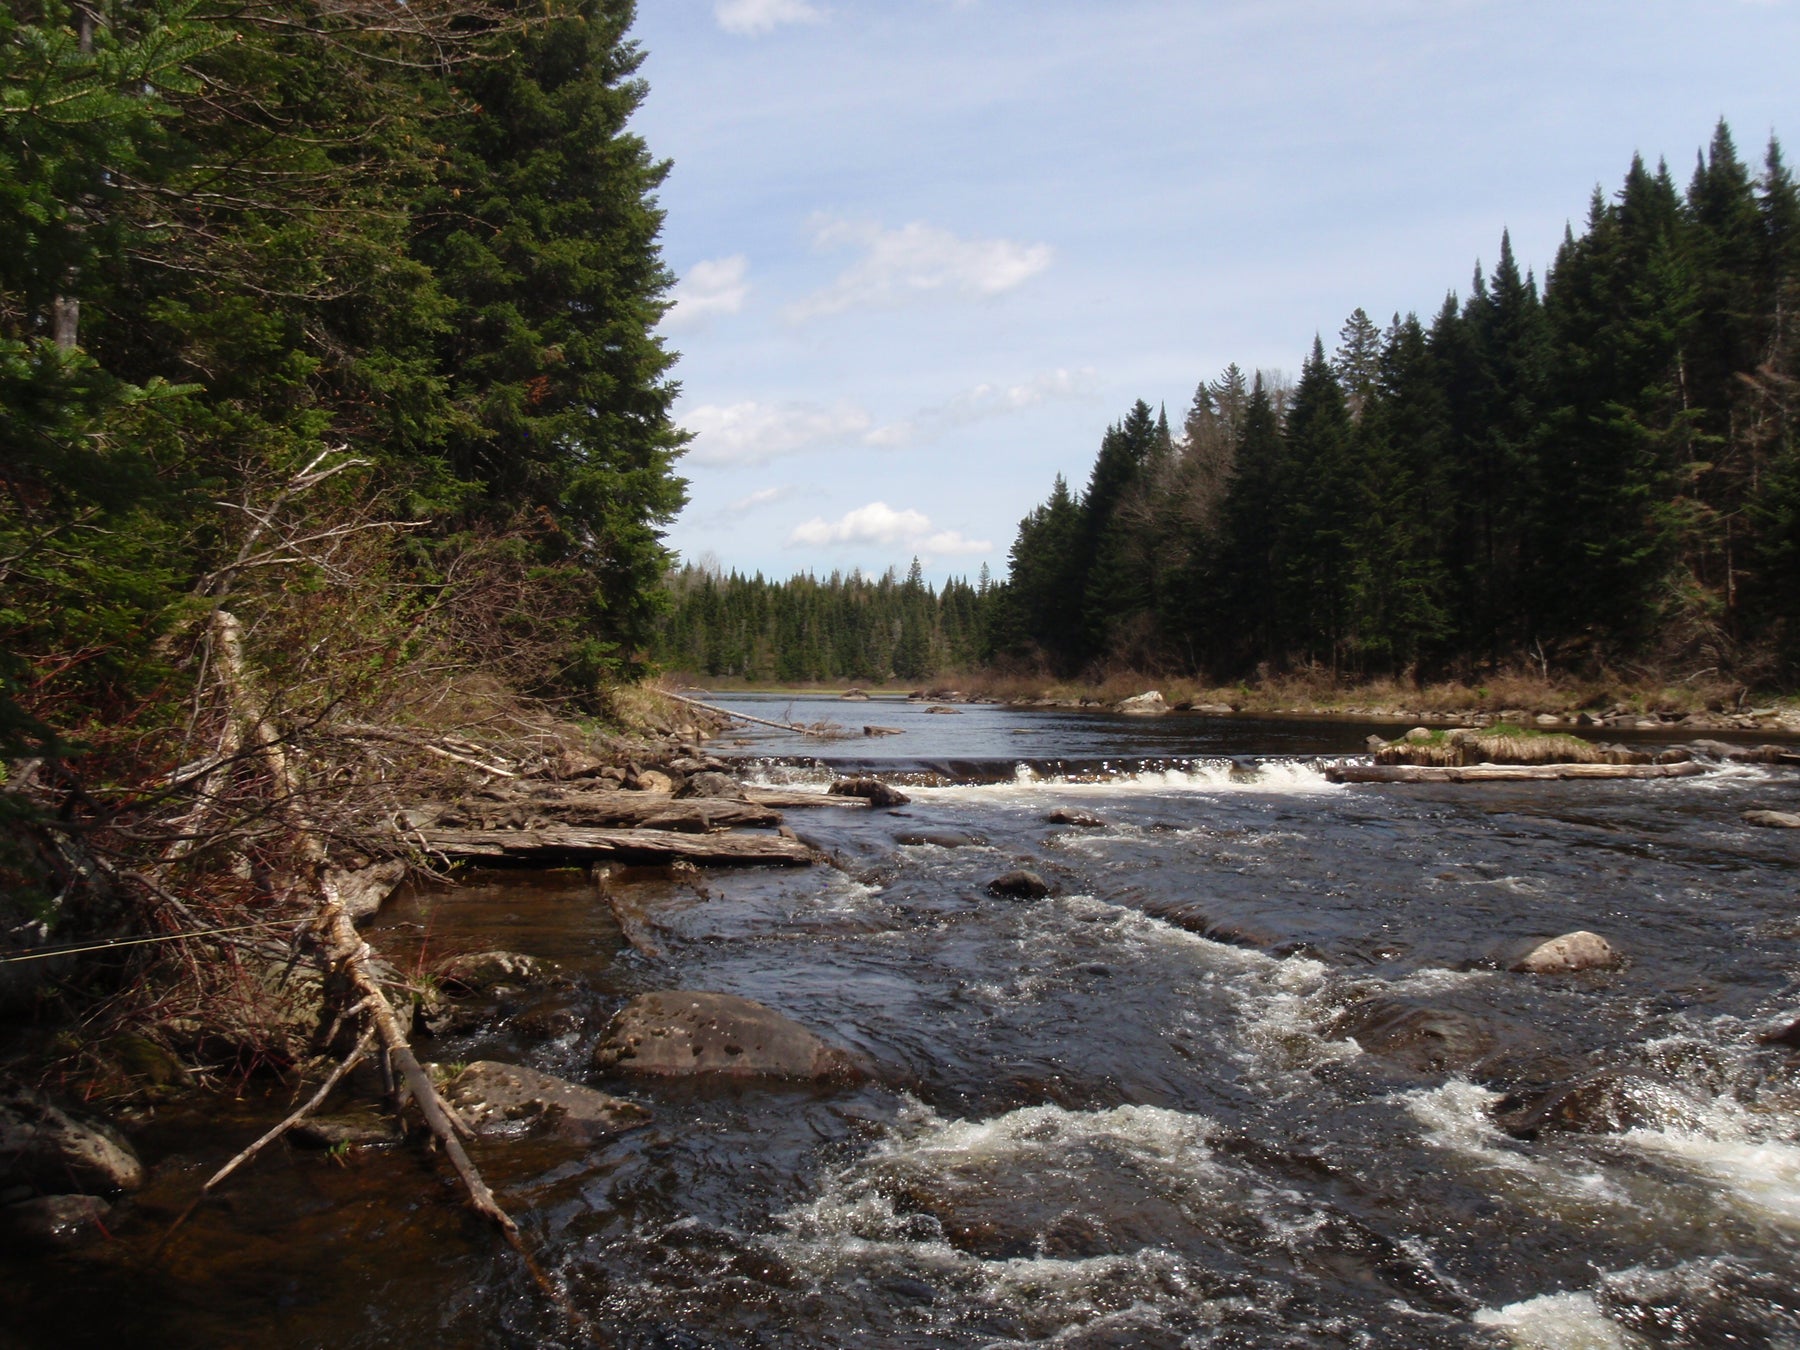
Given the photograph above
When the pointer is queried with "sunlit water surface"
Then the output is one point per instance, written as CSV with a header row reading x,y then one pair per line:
x,y
1126,1115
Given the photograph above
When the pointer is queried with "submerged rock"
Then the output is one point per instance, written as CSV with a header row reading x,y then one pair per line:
x,y
478,972
871,790
53,1223
684,1033
1085,820
500,1099
1414,1034
940,838
1567,954
1608,1102
1020,885
45,1149
360,1128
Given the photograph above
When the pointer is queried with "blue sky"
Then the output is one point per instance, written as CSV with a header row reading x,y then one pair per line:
x,y
930,249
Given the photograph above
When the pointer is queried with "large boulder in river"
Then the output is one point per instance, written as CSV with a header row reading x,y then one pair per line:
x,y
505,1099
1020,885
45,1150
685,1033
1430,1040
1567,954
871,790
711,783
1148,704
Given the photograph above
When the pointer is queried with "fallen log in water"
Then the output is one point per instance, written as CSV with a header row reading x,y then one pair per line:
x,y
568,844
1502,773
788,799
598,808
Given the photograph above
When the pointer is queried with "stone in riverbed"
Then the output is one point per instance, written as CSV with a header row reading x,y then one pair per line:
x,y
1020,885
871,790
1773,820
940,838
1148,704
1567,954
478,972
711,783
1085,820
361,890
1421,1037
686,1033
503,1099
44,1148
53,1223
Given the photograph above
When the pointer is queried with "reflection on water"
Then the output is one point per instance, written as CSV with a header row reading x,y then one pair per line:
x,y
1136,1113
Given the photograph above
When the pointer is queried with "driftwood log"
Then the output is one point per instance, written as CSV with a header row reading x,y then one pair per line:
x,y
556,845
1502,773
795,799
598,809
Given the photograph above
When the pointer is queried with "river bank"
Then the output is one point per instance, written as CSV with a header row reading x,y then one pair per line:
x,y
1698,706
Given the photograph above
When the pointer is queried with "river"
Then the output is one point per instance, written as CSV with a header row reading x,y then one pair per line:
x,y
1244,1079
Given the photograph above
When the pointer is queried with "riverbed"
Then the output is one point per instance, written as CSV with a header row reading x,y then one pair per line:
x,y
1252,1075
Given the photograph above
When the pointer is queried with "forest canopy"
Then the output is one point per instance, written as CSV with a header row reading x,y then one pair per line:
x,y
396,258
1595,474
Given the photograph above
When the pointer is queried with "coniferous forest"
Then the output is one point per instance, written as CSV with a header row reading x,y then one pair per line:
x,y
319,307
1601,472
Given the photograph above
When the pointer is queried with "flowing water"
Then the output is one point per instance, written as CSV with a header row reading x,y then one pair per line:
x,y
1254,1075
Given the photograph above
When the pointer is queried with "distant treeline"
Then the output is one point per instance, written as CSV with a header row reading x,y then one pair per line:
x,y
1601,474
853,627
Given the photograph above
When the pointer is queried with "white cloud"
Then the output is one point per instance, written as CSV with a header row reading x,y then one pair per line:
x,y
761,497
916,260
986,401
755,433
880,524
717,286
761,16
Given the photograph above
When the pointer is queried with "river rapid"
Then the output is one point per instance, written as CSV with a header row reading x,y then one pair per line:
x,y
1255,1074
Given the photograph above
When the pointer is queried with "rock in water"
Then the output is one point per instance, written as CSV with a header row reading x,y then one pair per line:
x,y
362,890
682,1033
1147,704
499,1099
1020,885
1421,1037
1085,820
1773,820
712,783
1569,953
871,790
479,971
46,1149
53,1223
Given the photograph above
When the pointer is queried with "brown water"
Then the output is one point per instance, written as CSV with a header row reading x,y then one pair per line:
x,y
1094,1124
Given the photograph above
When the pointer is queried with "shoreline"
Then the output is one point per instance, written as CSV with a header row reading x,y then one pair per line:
x,y
1521,702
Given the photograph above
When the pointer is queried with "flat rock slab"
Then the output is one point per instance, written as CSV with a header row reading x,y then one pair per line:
x,y
1502,773
1567,954
362,891
568,844
1773,820
685,1033
45,1148
509,1099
